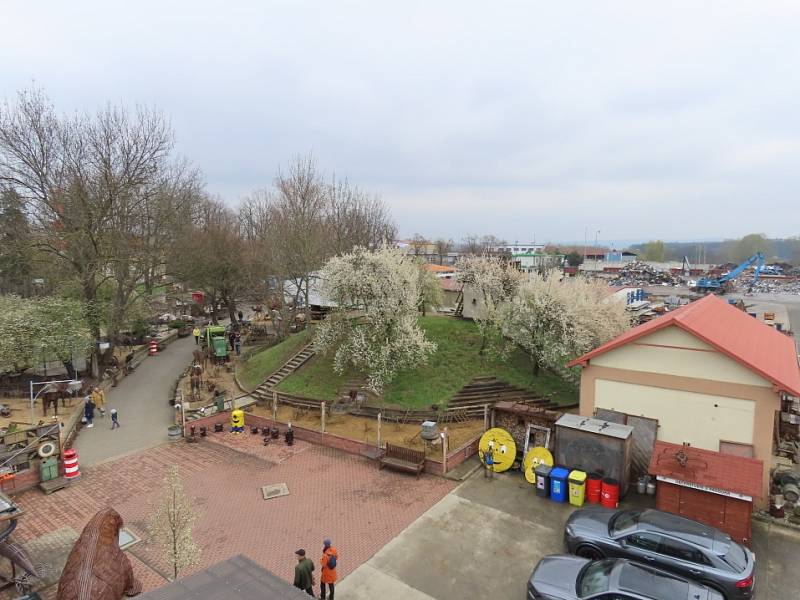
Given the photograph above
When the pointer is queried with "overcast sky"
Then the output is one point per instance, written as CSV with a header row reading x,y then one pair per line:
x,y
674,120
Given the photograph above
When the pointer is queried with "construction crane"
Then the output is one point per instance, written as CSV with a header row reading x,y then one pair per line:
x,y
707,284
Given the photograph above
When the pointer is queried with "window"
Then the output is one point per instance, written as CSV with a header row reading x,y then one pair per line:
x,y
645,541
595,578
681,551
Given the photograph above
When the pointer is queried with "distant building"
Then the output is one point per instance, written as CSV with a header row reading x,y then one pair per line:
x,y
519,248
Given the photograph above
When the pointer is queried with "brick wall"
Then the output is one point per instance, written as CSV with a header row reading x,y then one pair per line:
x,y
331,440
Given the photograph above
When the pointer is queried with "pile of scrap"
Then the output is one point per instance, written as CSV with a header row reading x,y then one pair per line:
x,y
772,286
640,273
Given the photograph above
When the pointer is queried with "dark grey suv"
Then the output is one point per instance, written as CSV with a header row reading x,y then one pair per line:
x,y
666,541
574,578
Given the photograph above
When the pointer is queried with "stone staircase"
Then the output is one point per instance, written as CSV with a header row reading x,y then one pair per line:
x,y
264,391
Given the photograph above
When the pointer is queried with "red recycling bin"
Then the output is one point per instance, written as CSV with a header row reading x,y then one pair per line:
x,y
609,493
594,485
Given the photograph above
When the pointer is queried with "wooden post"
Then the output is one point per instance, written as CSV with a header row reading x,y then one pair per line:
x,y
274,407
486,417
322,416
444,451
379,428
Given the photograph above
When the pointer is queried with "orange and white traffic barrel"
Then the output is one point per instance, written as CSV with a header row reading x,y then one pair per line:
x,y
153,348
71,469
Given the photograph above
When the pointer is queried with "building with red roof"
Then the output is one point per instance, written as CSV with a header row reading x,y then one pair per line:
x,y
710,374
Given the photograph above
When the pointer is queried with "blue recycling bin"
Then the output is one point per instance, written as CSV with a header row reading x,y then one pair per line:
x,y
558,484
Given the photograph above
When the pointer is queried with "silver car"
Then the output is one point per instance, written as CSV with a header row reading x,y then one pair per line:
x,y
666,541
574,578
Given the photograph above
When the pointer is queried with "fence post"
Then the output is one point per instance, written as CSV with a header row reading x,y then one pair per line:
x,y
486,417
322,416
274,406
444,451
379,428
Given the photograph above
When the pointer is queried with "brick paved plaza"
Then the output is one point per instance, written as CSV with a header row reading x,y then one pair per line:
x,y
332,494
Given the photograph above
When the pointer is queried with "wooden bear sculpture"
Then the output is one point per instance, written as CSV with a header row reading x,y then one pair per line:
x,y
96,568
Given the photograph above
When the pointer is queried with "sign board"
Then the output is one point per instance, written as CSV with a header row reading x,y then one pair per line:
x,y
705,488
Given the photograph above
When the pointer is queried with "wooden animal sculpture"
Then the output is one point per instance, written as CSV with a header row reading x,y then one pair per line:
x,y
96,568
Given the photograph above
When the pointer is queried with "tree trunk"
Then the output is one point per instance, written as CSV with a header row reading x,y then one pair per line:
x,y
536,368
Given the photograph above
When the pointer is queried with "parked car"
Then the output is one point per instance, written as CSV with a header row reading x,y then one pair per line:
x,y
567,577
666,541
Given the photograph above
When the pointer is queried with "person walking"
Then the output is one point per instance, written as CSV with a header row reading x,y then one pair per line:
x,y
241,316
328,565
88,411
232,338
196,334
237,343
99,399
488,461
114,418
304,573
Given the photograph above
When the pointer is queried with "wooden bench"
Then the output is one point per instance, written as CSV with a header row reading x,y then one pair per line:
x,y
402,459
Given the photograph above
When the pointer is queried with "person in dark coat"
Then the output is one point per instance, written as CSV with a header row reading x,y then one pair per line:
x,y
304,573
88,411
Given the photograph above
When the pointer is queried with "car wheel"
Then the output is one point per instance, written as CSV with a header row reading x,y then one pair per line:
x,y
590,552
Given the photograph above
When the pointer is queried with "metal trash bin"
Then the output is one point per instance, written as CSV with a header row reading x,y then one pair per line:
x,y
577,488
543,480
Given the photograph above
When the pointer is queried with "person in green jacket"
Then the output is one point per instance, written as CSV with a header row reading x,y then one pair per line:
x,y
304,573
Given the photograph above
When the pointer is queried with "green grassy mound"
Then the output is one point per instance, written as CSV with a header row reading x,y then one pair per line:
x,y
455,363
260,366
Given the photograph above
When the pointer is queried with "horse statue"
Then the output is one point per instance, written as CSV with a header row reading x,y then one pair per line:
x,y
96,568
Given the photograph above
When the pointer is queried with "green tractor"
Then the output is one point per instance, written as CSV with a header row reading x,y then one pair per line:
x,y
216,343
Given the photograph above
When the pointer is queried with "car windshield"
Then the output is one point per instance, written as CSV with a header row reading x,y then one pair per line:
x,y
736,557
595,578
656,584
623,521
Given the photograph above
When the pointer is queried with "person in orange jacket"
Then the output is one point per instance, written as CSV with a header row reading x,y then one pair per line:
x,y
328,576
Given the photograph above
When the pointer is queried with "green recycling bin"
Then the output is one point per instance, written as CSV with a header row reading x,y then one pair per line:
x,y
48,468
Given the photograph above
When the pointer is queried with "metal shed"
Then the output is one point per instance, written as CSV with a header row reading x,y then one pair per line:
x,y
595,446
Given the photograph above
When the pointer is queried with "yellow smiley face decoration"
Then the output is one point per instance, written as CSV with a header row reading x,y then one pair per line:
x,y
535,457
502,446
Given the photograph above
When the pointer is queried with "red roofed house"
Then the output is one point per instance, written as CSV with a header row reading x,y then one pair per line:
x,y
713,488
710,374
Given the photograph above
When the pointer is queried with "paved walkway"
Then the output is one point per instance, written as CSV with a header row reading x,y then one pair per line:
x,y
142,400
331,495
483,540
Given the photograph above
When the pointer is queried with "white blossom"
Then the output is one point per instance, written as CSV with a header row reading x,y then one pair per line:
x,y
375,328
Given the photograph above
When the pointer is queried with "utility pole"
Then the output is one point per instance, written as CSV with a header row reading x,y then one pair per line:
x,y
597,233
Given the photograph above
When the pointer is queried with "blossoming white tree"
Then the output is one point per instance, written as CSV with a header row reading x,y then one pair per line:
x,y
555,321
375,328
171,525
494,281
40,330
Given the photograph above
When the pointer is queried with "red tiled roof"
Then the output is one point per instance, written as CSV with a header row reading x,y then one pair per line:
x,y
748,341
439,268
708,468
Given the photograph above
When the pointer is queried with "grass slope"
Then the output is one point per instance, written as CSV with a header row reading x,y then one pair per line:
x,y
260,366
454,364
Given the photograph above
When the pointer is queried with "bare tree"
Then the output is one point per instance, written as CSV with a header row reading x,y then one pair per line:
x,y
443,248
86,181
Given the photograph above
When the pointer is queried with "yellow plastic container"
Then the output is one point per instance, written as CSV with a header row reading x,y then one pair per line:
x,y
577,488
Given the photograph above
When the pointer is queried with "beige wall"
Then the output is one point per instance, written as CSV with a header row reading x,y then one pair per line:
x,y
672,351
685,408
709,417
